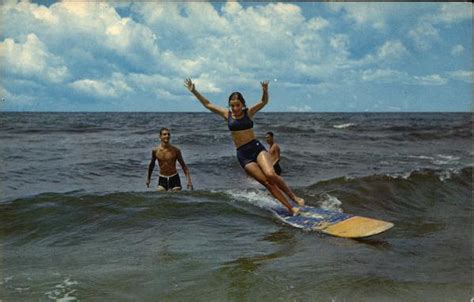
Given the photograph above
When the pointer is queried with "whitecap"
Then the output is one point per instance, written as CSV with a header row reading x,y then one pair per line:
x,y
344,126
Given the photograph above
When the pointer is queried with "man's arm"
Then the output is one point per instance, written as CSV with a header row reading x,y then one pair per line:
x,y
151,166
185,170
277,153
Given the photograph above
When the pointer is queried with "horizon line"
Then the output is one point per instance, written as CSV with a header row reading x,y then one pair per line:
x,y
299,112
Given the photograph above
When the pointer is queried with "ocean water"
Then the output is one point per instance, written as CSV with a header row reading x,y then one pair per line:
x,y
78,223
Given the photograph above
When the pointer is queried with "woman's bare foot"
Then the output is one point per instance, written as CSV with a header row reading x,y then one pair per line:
x,y
299,201
295,211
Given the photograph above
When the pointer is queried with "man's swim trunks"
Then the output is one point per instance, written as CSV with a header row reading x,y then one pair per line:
x,y
248,153
169,182
277,168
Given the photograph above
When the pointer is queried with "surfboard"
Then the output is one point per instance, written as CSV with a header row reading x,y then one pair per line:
x,y
334,223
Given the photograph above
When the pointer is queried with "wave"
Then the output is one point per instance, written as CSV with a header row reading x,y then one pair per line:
x,y
405,129
404,194
62,219
292,130
436,134
78,129
220,163
199,139
362,133
438,159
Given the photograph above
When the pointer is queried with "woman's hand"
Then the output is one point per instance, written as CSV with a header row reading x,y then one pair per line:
x,y
189,84
264,85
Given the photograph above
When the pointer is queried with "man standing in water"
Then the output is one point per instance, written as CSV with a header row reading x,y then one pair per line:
x,y
274,151
167,155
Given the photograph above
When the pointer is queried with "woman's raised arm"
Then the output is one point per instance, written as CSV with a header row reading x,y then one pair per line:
x,y
264,101
205,102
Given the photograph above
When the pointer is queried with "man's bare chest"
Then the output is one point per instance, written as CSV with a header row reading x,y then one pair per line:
x,y
273,151
166,155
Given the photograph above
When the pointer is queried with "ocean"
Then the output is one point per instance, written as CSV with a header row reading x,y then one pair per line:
x,y
78,223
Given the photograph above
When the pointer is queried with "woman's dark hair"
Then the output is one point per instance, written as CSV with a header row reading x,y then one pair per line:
x,y
237,95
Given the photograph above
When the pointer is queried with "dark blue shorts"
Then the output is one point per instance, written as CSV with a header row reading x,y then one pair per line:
x,y
169,182
248,153
277,168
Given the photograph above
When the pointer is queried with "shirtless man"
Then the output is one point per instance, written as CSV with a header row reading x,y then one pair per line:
x,y
167,155
274,151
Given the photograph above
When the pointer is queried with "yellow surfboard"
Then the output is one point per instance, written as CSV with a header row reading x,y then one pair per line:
x,y
334,223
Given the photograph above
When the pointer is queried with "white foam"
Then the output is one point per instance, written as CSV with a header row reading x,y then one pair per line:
x,y
444,176
439,159
262,199
68,282
344,126
421,157
329,202
63,292
402,175
445,159
67,297
6,280
448,157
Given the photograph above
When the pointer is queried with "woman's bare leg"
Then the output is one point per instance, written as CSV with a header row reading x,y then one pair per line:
x,y
265,163
256,172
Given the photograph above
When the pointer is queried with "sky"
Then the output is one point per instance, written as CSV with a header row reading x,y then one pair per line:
x,y
318,57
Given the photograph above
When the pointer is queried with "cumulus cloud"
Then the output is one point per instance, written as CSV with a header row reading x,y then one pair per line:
x,y
462,75
388,53
426,32
453,12
390,76
457,50
317,23
424,35
385,76
112,88
392,50
302,108
31,59
377,15
363,13
229,43
430,80
93,27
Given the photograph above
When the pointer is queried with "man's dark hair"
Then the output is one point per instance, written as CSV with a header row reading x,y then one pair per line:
x,y
164,129
270,133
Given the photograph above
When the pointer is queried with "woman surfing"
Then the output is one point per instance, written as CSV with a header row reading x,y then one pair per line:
x,y
252,155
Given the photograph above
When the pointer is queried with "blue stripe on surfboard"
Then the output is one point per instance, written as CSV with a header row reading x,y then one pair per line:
x,y
309,217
